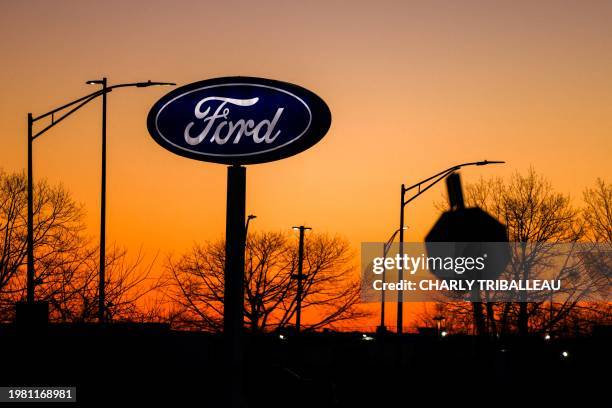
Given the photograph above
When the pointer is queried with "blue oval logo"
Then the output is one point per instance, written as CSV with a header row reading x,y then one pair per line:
x,y
239,120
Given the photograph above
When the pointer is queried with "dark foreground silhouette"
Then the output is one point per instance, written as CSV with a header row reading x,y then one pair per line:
x,y
141,364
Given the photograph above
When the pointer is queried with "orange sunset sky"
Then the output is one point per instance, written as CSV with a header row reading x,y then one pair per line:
x,y
413,88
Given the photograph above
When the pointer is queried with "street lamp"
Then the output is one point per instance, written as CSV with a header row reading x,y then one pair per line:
x,y
386,247
246,227
421,187
105,90
73,107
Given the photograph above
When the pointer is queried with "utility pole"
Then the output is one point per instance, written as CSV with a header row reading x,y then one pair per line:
x,y
102,283
30,216
386,247
456,203
400,270
299,276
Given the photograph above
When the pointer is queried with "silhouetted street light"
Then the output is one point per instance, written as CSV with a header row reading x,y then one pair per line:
x,y
246,227
386,248
74,106
299,277
430,182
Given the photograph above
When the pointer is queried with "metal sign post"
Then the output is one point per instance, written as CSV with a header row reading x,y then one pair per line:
x,y
233,306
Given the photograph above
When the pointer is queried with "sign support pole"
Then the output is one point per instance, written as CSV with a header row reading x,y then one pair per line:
x,y
234,279
456,202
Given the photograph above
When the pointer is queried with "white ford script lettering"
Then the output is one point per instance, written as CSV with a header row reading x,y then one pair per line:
x,y
225,129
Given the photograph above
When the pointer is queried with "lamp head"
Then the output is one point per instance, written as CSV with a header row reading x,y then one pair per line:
x,y
485,162
150,83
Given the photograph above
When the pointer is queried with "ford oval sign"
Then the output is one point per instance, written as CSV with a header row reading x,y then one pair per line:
x,y
238,120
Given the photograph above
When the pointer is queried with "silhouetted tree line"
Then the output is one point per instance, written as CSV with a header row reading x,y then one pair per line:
x,y
189,292
66,260
540,219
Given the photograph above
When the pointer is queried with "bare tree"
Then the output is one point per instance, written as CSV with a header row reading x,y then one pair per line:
x,y
330,292
72,287
538,216
539,220
65,261
598,211
58,227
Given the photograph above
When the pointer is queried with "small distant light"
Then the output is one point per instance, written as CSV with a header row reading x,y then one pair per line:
x,y
547,337
565,354
366,337
444,333
282,337
503,350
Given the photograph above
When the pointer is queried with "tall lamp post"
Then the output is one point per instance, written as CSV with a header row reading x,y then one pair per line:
x,y
299,277
102,279
386,247
421,187
72,107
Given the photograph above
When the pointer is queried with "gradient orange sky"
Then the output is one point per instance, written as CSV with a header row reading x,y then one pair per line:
x,y
413,88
